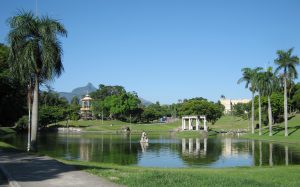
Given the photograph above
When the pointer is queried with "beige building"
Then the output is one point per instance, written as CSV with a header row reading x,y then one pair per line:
x,y
229,103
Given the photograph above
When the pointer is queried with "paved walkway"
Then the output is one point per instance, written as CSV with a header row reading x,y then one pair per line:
x,y
24,170
3,181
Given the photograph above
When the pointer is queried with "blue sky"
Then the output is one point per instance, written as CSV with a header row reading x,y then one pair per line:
x,y
166,50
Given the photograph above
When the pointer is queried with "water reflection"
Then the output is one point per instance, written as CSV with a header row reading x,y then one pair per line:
x,y
193,147
144,146
164,150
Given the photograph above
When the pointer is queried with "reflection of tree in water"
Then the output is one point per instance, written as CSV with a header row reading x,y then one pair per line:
x,y
268,153
200,151
126,149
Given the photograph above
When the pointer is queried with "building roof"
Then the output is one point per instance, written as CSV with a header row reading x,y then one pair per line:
x,y
86,98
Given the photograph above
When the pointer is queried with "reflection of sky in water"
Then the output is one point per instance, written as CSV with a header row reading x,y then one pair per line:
x,y
233,160
163,158
164,150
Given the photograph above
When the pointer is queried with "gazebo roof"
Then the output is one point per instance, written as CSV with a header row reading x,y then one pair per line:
x,y
86,98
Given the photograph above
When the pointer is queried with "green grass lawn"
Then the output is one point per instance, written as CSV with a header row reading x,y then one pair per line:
x,y
114,125
240,176
229,123
278,132
225,123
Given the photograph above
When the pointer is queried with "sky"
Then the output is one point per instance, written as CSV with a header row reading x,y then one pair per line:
x,y
166,50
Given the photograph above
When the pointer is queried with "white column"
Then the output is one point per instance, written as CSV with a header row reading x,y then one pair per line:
x,y
271,154
190,145
205,127
205,146
197,146
182,127
286,155
190,124
183,145
197,124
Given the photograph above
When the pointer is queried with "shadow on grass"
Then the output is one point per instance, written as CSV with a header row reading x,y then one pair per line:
x,y
277,130
296,128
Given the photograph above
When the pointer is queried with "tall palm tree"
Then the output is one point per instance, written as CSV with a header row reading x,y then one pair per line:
x,y
259,90
35,54
286,62
249,77
268,83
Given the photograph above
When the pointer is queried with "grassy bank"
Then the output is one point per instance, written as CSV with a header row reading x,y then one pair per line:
x,y
246,176
6,147
6,130
225,123
114,125
229,123
278,132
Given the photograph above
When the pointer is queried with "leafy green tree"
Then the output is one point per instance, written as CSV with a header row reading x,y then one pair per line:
x,y
212,111
239,109
287,63
35,54
74,109
106,91
115,103
53,108
12,92
249,77
296,97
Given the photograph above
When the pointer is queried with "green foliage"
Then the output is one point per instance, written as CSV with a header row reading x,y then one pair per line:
x,y
74,108
51,98
51,114
277,107
12,92
156,111
115,103
52,108
241,109
250,78
295,97
22,123
199,106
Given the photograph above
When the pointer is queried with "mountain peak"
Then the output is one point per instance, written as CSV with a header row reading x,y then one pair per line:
x,y
79,91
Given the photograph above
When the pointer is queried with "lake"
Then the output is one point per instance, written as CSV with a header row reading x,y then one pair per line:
x,y
163,150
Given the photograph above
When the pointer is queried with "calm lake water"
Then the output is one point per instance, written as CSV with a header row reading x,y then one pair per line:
x,y
163,150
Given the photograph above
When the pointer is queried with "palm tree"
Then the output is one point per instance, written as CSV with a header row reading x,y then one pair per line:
x,y
259,90
249,76
268,83
35,55
286,62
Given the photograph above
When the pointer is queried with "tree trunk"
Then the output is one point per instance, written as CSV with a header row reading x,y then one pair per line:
x,y
285,108
252,113
29,117
35,110
286,155
271,154
270,116
260,153
259,113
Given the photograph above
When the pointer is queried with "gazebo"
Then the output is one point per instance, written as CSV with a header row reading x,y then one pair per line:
x,y
190,122
85,110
